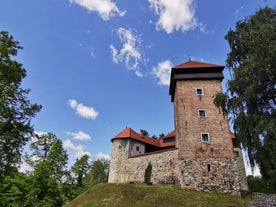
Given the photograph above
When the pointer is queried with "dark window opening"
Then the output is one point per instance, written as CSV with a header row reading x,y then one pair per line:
x,y
237,154
208,167
171,139
137,148
201,113
205,137
199,91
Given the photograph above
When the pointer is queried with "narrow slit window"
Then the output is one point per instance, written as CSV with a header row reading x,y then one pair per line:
x,y
199,91
205,137
201,113
208,167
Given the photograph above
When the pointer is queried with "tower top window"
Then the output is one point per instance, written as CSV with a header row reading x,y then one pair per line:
x,y
199,91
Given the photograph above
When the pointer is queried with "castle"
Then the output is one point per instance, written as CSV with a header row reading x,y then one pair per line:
x,y
200,154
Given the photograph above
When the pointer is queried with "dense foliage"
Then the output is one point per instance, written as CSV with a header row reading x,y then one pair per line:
x,y
16,110
251,97
48,182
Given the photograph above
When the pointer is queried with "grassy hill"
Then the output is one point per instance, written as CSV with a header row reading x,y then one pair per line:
x,y
138,195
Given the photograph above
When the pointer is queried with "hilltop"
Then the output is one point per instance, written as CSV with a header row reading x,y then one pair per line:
x,y
138,195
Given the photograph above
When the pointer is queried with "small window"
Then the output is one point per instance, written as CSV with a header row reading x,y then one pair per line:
x,y
208,167
199,91
137,148
170,139
237,153
205,137
201,113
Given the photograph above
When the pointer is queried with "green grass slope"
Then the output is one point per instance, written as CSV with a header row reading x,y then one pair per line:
x,y
129,195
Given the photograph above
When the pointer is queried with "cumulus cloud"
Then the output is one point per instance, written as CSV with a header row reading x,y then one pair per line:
x,y
79,135
105,8
174,15
102,156
130,54
78,149
87,112
256,171
162,72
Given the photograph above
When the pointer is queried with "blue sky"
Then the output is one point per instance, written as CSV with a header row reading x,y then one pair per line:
x,y
98,66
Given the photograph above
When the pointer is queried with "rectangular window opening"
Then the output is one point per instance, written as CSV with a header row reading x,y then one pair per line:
x,y
201,113
137,148
208,167
199,91
205,137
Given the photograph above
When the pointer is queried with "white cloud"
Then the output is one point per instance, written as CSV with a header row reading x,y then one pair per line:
x,y
174,15
25,167
79,135
130,54
102,156
105,8
78,149
256,171
83,111
163,72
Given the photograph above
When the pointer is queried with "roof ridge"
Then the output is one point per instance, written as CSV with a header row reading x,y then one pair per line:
x,y
196,64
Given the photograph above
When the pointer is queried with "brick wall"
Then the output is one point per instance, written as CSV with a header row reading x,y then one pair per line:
x,y
189,125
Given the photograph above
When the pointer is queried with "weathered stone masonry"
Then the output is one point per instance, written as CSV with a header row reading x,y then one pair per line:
x,y
210,175
200,154
132,169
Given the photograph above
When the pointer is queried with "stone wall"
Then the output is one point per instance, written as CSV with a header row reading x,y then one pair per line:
x,y
189,126
164,168
263,200
210,175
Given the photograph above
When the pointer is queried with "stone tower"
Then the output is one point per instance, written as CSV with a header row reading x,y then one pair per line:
x,y
207,160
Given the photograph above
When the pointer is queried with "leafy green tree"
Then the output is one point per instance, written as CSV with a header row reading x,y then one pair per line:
x,y
80,169
256,184
251,97
98,173
49,160
16,111
46,191
48,148
15,191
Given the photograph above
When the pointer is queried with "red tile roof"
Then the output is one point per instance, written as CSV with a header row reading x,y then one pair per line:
x,y
171,134
195,64
193,70
129,133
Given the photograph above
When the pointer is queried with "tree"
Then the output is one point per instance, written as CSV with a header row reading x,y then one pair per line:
x,y
16,111
80,169
144,132
147,176
98,172
16,190
251,97
48,148
49,160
